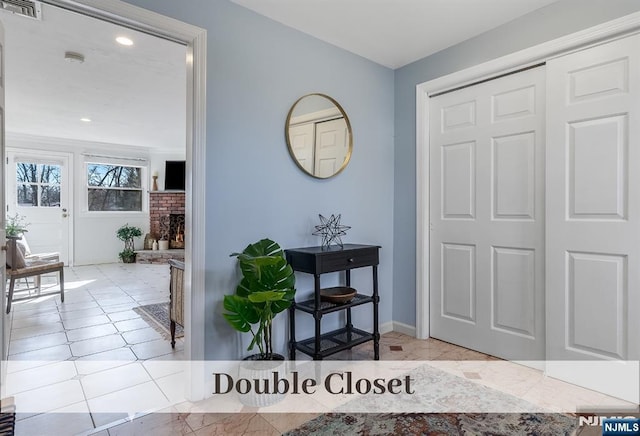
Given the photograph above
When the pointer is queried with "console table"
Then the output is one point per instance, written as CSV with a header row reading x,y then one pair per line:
x,y
321,260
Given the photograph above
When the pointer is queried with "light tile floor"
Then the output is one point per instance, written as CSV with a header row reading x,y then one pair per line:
x,y
97,330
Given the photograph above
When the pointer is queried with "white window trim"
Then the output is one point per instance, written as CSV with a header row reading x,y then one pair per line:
x,y
144,188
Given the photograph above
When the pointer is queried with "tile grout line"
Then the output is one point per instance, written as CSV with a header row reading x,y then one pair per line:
x,y
84,393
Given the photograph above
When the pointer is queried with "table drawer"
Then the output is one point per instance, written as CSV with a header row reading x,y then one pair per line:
x,y
339,261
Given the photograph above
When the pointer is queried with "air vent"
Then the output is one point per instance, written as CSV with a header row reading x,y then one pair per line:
x,y
26,8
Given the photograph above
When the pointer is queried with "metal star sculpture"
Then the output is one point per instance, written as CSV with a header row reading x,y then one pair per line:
x,y
331,230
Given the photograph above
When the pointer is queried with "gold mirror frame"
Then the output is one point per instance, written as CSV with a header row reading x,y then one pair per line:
x,y
287,128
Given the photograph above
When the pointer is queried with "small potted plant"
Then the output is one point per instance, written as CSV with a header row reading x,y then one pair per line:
x,y
15,225
267,288
126,233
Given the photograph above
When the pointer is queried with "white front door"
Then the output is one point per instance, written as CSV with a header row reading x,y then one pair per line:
x,y
487,216
38,190
593,203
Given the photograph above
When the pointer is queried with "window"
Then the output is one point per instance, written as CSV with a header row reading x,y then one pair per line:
x,y
114,188
38,185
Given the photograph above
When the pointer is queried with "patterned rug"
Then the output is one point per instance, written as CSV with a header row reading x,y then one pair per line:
x,y
441,424
489,412
157,316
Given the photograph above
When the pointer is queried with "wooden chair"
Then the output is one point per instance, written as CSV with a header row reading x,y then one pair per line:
x,y
176,297
7,416
20,266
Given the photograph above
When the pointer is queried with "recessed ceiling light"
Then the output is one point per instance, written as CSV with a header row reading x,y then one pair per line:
x,y
85,119
124,40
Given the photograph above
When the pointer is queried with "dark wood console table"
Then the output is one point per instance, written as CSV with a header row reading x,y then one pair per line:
x,y
318,261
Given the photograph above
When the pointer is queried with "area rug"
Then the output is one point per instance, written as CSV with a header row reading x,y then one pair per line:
x,y
487,411
157,316
431,424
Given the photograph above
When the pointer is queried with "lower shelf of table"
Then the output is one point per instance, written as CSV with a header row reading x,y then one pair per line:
x,y
334,341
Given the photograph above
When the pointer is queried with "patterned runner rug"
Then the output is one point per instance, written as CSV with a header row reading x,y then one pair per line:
x,y
157,316
489,412
431,424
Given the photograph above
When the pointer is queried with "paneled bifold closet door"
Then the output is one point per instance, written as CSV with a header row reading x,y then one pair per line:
x,y
593,203
487,216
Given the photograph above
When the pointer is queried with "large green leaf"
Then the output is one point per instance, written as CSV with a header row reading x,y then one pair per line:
x,y
240,312
284,303
264,268
266,296
264,247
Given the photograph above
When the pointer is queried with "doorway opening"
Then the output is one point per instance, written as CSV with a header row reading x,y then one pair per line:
x,y
192,40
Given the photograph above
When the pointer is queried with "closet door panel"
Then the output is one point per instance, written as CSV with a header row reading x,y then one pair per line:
x,y
593,203
487,216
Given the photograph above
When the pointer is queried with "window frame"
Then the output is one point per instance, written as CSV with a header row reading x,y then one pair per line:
x,y
144,184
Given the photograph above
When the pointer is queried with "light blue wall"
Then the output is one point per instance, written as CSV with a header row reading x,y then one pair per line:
x,y
257,69
545,24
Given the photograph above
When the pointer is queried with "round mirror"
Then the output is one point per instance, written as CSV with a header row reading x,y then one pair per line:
x,y
319,135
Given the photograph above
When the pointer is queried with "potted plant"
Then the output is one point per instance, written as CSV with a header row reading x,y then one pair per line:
x,y
266,289
16,225
126,233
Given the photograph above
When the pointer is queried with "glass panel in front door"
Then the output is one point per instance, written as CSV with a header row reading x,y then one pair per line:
x,y
38,185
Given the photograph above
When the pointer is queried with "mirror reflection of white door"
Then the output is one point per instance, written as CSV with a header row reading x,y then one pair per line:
x,y
38,189
302,140
332,146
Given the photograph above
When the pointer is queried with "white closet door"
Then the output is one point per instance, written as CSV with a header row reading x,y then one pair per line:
x,y
487,216
593,203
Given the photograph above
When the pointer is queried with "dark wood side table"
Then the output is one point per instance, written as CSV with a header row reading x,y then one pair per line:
x,y
318,261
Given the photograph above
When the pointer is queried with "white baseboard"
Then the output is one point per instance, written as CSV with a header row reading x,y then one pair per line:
x,y
395,326
405,329
387,327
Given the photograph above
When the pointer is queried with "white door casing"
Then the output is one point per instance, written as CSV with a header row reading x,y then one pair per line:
x,y
4,319
593,203
487,216
50,223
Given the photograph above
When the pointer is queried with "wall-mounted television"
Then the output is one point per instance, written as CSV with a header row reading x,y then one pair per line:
x,y
174,175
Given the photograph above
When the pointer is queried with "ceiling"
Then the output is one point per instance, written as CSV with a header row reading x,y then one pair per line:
x,y
134,96
393,33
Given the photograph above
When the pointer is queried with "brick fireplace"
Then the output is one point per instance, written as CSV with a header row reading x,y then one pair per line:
x,y
166,218
162,205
